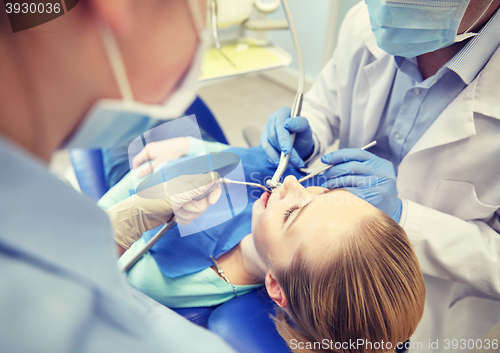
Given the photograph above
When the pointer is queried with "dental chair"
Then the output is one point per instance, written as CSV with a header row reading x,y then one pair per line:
x,y
244,322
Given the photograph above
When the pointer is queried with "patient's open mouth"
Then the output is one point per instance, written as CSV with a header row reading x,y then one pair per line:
x,y
264,198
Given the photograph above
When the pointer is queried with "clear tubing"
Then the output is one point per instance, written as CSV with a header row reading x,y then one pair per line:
x,y
213,17
297,104
296,44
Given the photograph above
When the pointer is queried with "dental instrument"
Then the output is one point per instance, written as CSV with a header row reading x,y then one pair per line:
x,y
297,104
229,181
326,167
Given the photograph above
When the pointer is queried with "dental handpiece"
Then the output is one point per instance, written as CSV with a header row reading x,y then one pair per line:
x,y
326,167
297,104
284,159
229,181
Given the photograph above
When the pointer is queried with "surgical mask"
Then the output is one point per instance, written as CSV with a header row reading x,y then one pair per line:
x,y
113,121
412,28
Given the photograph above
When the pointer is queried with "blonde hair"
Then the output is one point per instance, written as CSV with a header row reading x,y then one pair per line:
x,y
368,286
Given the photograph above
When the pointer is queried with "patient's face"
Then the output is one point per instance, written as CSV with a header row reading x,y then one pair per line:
x,y
295,216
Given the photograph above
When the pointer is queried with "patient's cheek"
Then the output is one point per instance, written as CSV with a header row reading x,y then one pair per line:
x,y
255,221
259,228
260,241
256,216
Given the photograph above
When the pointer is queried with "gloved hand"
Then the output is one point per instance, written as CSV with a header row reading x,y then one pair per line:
x,y
365,175
276,137
188,198
160,152
156,205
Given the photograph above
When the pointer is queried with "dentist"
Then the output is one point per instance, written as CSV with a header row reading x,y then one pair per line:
x,y
422,78
69,83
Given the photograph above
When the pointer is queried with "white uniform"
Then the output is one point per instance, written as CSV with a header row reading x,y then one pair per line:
x,y
449,182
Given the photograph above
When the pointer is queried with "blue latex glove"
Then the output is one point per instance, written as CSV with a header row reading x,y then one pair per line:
x,y
365,175
276,137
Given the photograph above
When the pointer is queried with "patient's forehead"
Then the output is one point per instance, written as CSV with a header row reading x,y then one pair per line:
x,y
337,197
331,215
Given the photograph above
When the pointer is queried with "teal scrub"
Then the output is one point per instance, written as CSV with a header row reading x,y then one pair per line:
x,y
204,288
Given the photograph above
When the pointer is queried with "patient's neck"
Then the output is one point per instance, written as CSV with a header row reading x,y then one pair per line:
x,y
242,264
252,262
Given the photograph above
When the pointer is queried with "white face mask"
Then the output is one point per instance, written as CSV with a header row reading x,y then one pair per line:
x,y
112,121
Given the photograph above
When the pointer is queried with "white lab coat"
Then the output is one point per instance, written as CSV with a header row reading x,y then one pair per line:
x,y
449,182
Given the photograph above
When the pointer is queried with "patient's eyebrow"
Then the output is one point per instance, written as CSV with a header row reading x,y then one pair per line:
x,y
298,215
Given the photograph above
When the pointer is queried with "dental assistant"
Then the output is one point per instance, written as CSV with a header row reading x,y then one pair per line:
x,y
423,80
60,288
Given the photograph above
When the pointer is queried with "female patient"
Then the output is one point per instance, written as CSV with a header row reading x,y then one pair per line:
x,y
338,268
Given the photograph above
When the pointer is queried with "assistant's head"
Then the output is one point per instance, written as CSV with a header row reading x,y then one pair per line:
x,y
53,73
339,268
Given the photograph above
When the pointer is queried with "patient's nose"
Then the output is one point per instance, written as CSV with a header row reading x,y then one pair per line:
x,y
292,186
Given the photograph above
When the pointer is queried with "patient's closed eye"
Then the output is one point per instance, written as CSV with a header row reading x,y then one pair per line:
x,y
329,190
289,212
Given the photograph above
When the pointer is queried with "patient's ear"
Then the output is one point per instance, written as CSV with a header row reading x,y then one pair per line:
x,y
275,292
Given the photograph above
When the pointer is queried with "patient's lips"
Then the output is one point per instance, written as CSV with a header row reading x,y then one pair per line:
x,y
264,198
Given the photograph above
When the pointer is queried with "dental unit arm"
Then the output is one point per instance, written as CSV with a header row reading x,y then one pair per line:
x,y
297,104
